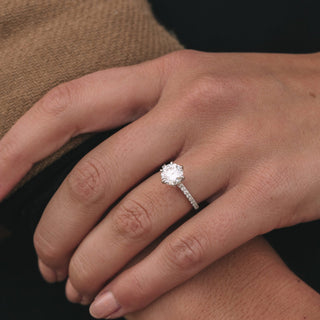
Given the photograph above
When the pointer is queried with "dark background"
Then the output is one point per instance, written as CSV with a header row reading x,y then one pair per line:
x,y
260,26
230,25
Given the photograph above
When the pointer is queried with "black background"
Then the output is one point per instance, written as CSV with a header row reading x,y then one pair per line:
x,y
263,26
230,25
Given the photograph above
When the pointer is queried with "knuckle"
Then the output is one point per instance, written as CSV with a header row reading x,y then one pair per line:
x,y
133,220
185,253
86,182
211,94
177,60
181,56
202,89
206,85
57,100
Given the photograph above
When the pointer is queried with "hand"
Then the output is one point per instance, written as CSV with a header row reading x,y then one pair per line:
x,y
250,283
245,127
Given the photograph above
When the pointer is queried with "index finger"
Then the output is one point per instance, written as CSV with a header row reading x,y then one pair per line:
x,y
100,101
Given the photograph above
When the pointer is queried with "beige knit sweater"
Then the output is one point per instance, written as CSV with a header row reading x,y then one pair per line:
x,y
44,43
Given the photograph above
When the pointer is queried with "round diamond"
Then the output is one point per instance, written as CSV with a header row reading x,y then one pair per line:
x,y
172,174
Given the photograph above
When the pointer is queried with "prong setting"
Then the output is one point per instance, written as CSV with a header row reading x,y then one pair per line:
x,y
172,174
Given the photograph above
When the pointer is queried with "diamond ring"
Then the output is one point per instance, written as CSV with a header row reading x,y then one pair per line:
x,y
172,174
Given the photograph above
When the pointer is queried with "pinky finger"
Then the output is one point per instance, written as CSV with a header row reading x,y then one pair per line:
x,y
219,228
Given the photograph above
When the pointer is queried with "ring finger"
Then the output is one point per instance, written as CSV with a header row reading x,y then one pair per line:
x,y
141,217
98,180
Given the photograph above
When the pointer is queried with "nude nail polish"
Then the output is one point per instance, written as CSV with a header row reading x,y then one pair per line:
x,y
104,305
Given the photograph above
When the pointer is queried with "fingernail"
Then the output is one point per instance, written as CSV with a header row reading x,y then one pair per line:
x,y
104,305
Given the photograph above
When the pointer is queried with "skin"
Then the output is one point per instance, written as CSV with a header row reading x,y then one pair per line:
x,y
245,127
250,283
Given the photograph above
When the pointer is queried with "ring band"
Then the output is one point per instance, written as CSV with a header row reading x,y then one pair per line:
x,y
172,174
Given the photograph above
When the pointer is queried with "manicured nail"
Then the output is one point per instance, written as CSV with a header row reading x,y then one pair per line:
x,y
104,305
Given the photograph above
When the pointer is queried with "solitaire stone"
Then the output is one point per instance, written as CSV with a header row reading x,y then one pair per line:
x,y
172,174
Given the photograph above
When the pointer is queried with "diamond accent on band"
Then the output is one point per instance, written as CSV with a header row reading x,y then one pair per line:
x,y
188,195
172,174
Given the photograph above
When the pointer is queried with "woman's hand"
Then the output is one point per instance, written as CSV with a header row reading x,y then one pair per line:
x,y
250,283
244,126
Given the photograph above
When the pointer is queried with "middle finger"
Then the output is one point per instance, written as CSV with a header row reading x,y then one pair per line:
x,y
138,219
96,182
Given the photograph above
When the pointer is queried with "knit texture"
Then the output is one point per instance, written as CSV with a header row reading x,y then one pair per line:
x,y
45,43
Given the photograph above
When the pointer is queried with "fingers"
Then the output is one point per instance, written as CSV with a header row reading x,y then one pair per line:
x,y
98,180
210,234
99,101
49,274
142,216
250,283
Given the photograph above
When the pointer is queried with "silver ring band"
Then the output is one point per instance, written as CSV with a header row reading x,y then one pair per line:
x,y
188,195
172,174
